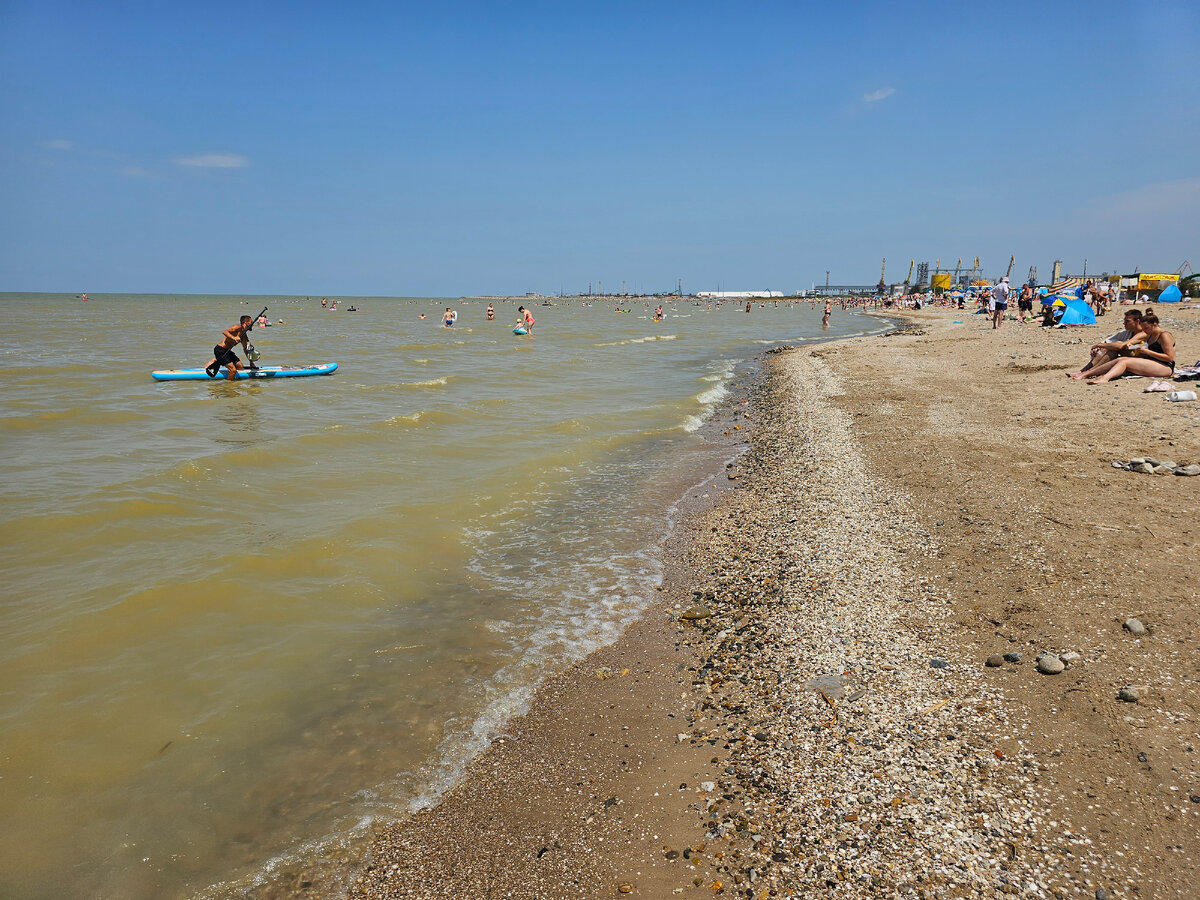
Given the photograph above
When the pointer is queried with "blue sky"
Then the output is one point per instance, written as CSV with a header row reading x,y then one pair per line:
x,y
457,148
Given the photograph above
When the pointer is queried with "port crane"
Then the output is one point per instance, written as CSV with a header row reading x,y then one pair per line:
x,y
1012,259
957,266
882,286
908,278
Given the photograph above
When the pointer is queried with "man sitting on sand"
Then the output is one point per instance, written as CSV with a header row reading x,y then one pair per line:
x,y
1117,344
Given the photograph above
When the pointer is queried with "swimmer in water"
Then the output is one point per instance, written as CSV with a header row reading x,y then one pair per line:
x,y
491,313
448,317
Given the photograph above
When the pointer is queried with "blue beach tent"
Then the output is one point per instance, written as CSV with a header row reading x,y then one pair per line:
x,y
1077,312
1170,295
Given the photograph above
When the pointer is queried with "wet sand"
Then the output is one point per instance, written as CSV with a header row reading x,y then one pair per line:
x,y
808,709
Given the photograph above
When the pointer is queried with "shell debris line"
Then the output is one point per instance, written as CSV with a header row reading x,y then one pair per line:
x,y
864,759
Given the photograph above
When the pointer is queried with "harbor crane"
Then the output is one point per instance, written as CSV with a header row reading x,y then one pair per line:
x,y
957,266
1012,259
908,278
882,286
975,271
1186,265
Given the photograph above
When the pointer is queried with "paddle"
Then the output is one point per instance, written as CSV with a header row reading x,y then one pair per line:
x,y
251,354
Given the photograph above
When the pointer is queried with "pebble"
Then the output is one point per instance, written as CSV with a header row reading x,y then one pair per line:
x,y
695,614
1134,626
994,660
1128,695
1012,656
938,664
1049,664
1193,469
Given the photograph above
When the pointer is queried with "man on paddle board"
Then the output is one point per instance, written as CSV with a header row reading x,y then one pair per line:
x,y
223,354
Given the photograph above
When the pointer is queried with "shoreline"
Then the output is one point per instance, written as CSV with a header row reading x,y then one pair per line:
x,y
677,722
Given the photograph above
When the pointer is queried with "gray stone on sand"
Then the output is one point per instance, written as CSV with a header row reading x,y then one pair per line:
x,y
1133,626
1189,471
1049,664
1162,470
1128,695
994,661
1012,656
938,664
1144,468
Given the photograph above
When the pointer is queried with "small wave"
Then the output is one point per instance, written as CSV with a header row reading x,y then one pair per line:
x,y
640,340
692,423
425,417
714,394
432,382
73,416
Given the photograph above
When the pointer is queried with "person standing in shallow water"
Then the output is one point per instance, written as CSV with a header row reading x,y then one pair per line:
x,y
526,319
828,312
491,313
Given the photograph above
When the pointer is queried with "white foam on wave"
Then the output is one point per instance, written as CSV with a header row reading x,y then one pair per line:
x,y
433,382
640,340
714,394
596,568
710,397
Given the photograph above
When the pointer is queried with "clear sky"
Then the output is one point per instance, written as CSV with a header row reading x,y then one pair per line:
x,y
450,148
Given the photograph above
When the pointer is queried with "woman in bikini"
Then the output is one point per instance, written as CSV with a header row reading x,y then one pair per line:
x,y
1154,360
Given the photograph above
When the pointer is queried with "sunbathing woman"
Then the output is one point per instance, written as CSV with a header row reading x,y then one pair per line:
x,y
1154,360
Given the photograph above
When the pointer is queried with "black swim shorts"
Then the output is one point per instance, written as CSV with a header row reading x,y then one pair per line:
x,y
225,356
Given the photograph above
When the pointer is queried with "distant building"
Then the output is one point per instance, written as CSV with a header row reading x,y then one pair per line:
x,y
739,295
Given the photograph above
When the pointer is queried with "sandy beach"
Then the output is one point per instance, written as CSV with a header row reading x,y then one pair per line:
x,y
839,692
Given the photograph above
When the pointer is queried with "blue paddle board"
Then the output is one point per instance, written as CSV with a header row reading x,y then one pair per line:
x,y
245,374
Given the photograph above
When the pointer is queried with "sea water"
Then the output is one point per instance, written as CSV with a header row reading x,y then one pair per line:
x,y
245,620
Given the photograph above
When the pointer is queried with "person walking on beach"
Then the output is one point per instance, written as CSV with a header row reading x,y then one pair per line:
x,y
1025,303
999,302
223,354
